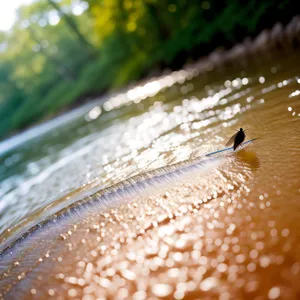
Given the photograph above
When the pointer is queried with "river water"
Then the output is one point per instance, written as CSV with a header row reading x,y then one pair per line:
x,y
225,229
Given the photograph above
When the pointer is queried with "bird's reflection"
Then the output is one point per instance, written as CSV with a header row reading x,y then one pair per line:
x,y
248,157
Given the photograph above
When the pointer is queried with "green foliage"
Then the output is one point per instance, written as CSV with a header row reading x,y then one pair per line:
x,y
52,57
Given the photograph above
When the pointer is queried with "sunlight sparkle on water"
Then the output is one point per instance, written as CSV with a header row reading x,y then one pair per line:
x,y
150,89
207,227
295,93
93,113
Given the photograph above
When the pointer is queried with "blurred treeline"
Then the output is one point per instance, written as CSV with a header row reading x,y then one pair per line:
x,y
60,52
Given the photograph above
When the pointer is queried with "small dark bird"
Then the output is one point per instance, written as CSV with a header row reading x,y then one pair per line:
x,y
236,139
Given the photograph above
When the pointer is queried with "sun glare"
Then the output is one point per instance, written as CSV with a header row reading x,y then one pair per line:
x,y
8,12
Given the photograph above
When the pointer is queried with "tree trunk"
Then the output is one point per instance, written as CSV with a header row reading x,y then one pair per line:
x,y
73,26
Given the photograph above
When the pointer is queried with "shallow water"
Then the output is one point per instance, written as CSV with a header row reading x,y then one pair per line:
x,y
227,230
